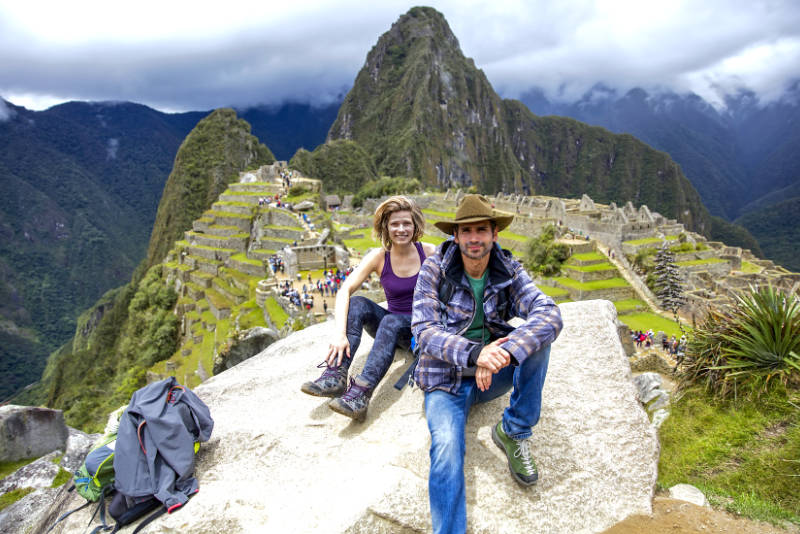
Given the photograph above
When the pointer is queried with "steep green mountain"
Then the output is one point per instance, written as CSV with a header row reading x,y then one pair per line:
x,y
82,182
777,228
210,157
80,185
134,326
741,158
421,108
343,166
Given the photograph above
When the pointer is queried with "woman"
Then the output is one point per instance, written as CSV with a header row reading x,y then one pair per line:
x,y
398,224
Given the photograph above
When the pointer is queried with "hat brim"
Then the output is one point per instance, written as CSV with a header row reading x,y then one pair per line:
x,y
449,227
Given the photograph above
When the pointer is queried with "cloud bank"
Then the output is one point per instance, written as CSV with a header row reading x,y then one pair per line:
x,y
195,56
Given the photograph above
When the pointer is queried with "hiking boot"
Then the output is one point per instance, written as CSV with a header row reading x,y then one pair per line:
x,y
330,384
518,452
354,402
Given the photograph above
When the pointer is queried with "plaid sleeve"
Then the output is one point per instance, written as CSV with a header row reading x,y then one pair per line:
x,y
542,317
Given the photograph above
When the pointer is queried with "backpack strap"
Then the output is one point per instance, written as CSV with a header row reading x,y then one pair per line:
x,y
101,507
149,519
63,517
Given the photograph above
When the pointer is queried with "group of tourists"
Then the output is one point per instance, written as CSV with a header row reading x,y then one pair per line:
x,y
276,264
670,345
452,303
286,178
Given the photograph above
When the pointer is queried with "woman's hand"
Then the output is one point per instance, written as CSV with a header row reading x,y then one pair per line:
x,y
338,350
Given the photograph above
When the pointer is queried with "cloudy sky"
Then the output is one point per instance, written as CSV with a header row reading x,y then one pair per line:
x,y
176,55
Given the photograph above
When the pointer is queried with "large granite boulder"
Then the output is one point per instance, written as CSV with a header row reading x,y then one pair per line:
x,y
30,432
282,461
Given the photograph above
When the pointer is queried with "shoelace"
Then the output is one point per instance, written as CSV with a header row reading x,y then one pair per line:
x,y
354,391
329,371
523,452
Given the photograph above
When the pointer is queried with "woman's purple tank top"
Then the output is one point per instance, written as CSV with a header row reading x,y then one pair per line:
x,y
399,291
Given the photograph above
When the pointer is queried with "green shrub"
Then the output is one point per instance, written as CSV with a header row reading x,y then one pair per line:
x,y
298,189
543,255
683,246
741,349
643,260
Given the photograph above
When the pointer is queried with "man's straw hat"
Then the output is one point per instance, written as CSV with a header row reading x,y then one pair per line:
x,y
474,208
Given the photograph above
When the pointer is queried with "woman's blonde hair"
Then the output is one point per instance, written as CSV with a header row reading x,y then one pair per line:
x,y
380,229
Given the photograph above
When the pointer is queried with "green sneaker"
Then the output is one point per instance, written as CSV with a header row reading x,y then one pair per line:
x,y
518,452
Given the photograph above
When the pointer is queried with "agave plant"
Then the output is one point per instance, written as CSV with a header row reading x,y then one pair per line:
x,y
748,345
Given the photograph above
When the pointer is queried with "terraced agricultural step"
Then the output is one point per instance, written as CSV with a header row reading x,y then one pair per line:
x,y
275,243
587,258
233,294
219,306
237,242
238,279
558,294
635,245
260,254
611,289
240,208
228,218
194,291
246,197
221,230
211,253
201,279
630,306
590,273
265,188
200,263
242,263
174,270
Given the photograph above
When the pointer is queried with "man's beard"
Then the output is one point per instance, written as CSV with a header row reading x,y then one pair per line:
x,y
474,255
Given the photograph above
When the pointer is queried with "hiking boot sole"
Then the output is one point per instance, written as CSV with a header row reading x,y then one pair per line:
x,y
517,477
347,412
310,388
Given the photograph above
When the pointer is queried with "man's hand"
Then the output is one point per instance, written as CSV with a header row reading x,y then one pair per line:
x,y
483,378
493,357
338,350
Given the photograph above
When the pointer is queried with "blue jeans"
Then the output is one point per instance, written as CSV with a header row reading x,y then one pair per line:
x,y
390,330
447,418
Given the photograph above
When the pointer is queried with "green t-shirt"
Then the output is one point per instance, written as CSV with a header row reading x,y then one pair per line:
x,y
476,330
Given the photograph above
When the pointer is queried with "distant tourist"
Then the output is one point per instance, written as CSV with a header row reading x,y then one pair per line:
x,y
398,225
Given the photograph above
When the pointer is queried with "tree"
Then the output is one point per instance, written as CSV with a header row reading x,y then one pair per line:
x,y
543,255
669,282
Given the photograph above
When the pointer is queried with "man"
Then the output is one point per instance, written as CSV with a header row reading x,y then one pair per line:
x,y
464,296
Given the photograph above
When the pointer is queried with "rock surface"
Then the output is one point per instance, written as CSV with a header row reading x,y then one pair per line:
x,y
688,493
37,474
245,346
30,432
281,461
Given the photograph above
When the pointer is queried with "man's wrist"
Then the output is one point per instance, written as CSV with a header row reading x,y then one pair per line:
x,y
472,357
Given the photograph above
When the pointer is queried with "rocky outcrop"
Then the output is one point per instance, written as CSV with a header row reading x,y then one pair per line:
x,y
281,461
40,475
244,346
30,432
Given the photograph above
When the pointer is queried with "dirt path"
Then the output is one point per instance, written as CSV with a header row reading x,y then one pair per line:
x,y
671,516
